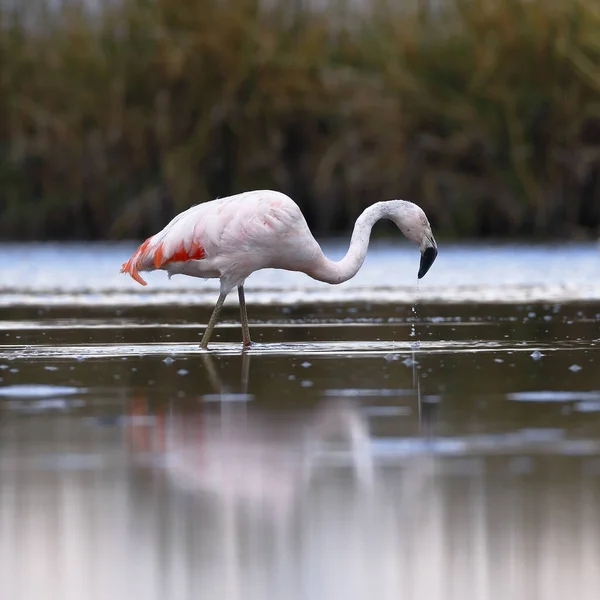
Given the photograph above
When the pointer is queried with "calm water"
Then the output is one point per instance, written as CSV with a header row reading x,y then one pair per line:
x,y
341,457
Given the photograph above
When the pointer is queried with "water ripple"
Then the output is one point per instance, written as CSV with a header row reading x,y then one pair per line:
x,y
305,349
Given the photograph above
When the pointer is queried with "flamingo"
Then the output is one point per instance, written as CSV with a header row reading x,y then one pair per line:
x,y
229,238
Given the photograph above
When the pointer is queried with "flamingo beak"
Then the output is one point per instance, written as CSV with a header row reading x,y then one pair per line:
x,y
428,257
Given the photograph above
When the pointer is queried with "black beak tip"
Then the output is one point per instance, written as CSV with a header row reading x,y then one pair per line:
x,y
427,259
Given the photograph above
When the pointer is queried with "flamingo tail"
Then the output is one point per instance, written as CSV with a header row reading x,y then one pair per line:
x,y
140,259
147,258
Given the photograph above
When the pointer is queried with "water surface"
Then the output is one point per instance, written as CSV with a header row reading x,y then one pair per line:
x,y
88,274
340,457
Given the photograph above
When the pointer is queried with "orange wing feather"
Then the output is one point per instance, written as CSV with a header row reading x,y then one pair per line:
x,y
143,258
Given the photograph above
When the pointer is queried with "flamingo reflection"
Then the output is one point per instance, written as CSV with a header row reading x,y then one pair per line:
x,y
253,457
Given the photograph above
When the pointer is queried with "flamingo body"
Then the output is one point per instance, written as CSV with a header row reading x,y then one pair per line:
x,y
230,238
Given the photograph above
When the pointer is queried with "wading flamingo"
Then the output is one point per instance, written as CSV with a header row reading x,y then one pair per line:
x,y
230,238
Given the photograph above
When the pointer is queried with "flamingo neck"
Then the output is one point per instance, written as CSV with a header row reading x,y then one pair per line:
x,y
334,272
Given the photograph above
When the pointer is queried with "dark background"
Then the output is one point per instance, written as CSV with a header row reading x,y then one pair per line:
x,y
116,115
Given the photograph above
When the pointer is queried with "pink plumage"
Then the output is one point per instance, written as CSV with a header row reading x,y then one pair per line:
x,y
230,238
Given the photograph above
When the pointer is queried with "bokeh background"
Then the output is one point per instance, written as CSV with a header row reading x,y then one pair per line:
x,y
117,114
386,438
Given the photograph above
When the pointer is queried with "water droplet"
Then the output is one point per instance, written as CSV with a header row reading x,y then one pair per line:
x,y
413,331
536,355
575,368
306,383
168,360
306,364
182,372
499,360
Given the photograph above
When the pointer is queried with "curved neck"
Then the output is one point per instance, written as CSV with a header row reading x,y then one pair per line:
x,y
330,271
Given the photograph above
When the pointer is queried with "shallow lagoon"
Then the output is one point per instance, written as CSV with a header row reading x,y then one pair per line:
x,y
359,450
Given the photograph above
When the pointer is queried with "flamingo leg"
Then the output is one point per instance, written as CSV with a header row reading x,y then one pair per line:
x,y
213,320
244,317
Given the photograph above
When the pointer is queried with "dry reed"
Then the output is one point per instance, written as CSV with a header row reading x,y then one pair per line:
x,y
485,112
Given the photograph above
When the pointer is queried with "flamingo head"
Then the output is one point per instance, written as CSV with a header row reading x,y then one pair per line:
x,y
413,223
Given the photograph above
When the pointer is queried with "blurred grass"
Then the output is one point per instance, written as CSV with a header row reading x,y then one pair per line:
x,y
486,112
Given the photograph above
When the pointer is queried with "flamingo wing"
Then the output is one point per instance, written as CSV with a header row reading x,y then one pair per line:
x,y
177,242
157,255
245,231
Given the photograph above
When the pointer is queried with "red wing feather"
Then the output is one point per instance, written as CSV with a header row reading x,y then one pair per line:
x,y
135,262
143,258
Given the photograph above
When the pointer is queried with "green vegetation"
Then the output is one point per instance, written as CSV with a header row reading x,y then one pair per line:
x,y
486,112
